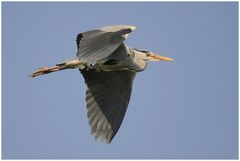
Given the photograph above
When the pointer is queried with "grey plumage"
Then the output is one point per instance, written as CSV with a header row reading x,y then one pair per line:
x,y
98,44
109,96
109,68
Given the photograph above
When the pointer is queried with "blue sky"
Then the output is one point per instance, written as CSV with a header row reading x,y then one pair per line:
x,y
178,110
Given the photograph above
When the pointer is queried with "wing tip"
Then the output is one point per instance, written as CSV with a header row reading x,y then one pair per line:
x,y
117,27
103,136
133,27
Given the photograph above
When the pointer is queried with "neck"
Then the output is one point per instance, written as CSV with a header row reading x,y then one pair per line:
x,y
136,57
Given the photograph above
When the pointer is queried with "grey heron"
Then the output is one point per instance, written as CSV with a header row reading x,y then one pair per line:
x,y
108,67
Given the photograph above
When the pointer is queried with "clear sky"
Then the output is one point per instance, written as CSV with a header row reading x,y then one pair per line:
x,y
182,109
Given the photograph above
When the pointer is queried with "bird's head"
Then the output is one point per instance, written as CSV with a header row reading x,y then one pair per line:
x,y
150,56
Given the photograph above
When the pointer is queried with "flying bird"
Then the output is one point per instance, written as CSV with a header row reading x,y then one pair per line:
x,y
108,67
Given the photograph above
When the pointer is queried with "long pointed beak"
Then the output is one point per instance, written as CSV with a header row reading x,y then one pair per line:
x,y
156,57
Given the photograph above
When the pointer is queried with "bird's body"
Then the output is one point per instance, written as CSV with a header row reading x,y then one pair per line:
x,y
123,58
108,67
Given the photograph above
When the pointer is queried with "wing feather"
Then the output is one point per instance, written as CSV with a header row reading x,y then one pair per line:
x,y
97,44
107,99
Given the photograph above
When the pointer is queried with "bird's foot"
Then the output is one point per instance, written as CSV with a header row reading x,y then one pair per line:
x,y
45,70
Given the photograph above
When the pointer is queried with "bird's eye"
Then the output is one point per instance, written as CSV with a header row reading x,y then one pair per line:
x,y
147,54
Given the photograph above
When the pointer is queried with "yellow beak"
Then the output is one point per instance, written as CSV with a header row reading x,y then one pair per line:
x,y
156,57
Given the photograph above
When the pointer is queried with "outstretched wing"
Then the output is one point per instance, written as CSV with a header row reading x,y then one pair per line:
x,y
107,99
98,44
